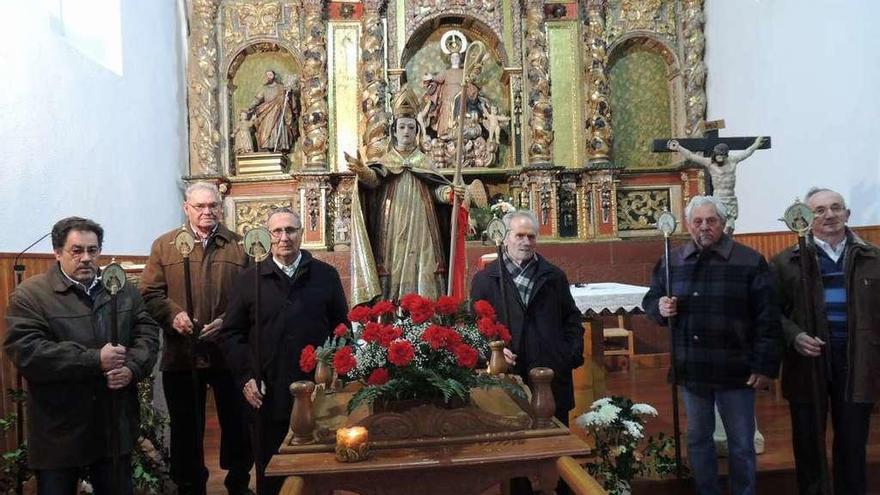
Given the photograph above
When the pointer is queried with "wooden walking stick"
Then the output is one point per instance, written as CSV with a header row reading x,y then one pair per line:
x,y
798,218
257,244
113,280
473,64
666,224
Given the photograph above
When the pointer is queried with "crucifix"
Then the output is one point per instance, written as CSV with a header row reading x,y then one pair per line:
x,y
717,160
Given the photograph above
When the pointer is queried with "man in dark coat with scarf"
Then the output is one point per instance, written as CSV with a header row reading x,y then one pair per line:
x,y
301,302
545,324
58,336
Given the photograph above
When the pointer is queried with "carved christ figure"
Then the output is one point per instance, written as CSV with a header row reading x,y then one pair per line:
x,y
276,114
722,169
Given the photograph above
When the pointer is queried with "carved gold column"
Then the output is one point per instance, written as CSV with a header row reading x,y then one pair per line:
x,y
374,119
599,131
694,66
314,92
204,143
538,73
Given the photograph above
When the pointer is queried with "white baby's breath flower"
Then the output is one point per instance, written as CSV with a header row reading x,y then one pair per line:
x,y
643,410
601,402
590,420
633,429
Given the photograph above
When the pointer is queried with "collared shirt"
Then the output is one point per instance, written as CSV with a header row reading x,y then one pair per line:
x,y
290,269
87,290
204,240
833,252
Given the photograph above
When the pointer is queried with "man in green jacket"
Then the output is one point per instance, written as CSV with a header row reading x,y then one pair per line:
x,y
58,334
844,277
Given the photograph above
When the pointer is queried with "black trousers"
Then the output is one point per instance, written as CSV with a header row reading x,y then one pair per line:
x,y
187,417
273,434
100,474
850,422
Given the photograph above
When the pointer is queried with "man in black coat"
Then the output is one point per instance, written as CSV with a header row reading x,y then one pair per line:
x,y
301,302
544,322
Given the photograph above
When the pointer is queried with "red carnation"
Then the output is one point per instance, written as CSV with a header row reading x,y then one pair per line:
x,y
503,332
307,359
379,376
400,352
421,311
484,309
360,314
341,330
448,305
466,356
383,308
372,332
407,301
387,334
487,327
453,339
344,360
435,336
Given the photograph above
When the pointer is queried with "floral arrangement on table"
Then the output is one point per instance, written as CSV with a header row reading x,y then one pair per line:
x,y
618,427
419,350
502,207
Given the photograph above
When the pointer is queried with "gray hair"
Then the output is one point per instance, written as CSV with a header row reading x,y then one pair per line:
x,y
508,218
816,190
698,201
202,186
285,211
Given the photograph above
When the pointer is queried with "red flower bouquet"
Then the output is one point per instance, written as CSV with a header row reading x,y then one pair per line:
x,y
421,349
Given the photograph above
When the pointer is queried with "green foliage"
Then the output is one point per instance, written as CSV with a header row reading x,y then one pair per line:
x,y
149,461
13,463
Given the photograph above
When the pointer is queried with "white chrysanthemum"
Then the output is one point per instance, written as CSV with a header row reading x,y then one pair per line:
x,y
608,413
590,420
633,429
643,410
601,402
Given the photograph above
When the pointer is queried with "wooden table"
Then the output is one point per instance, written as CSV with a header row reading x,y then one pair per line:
x,y
460,469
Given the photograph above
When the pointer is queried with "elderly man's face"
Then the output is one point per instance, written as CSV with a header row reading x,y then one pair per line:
x,y
79,255
521,240
286,233
830,215
202,209
405,133
705,225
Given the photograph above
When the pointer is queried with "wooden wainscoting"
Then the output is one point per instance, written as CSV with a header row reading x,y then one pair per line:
x,y
771,243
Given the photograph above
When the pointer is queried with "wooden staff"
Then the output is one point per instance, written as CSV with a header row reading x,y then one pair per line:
x,y
666,224
113,280
184,242
798,218
473,64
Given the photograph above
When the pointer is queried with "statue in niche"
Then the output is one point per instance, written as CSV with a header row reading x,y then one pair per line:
x,y
275,112
406,213
244,134
438,113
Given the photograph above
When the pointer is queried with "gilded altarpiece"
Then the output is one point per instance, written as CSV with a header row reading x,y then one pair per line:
x,y
570,94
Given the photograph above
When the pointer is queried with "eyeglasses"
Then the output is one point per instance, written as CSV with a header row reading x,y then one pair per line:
x,y
204,206
289,231
78,251
821,210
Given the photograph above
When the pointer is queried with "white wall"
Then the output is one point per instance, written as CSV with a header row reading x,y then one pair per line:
x,y
83,134
807,73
